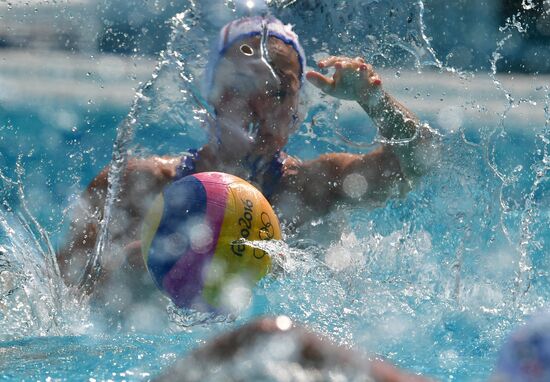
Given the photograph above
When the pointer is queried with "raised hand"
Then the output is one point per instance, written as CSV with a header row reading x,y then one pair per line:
x,y
353,79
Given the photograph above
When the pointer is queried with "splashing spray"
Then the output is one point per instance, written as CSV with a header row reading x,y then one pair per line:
x,y
125,133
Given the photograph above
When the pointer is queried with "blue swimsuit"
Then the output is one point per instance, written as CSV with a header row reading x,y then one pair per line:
x,y
271,177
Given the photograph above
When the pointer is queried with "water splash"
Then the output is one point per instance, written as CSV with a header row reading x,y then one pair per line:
x,y
524,275
531,209
264,53
185,319
139,112
34,300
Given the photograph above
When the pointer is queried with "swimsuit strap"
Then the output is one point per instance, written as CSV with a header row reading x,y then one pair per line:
x,y
271,178
273,174
187,164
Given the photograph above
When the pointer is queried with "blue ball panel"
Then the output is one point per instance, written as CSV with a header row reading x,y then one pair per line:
x,y
184,203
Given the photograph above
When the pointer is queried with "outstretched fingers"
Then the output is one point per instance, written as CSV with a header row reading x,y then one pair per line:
x,y
335,61
353,78
324,83
329,61
374,79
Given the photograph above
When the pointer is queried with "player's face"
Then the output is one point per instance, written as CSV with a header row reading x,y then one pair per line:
x,y
256,97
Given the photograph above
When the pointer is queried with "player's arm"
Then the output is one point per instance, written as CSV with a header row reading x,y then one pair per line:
x,y
321,183
142,181
408,139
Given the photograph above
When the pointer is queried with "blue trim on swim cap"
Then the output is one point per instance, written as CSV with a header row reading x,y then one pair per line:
x,y
292,43
217,53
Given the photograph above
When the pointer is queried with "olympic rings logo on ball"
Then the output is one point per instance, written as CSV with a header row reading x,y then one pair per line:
x,y
266,231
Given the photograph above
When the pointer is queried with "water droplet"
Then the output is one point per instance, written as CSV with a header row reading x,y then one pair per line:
x,y
355,185
200,236
528,4
450,118
283,323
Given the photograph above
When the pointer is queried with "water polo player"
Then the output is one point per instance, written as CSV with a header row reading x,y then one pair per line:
x,y
254,91
242,354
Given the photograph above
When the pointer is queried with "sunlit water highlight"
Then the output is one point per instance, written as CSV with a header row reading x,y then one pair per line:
x,y
433,281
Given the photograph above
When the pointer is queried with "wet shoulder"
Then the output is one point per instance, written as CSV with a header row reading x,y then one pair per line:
x,y
161,168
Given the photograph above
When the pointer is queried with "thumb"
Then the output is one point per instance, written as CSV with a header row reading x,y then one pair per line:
x,y
318,80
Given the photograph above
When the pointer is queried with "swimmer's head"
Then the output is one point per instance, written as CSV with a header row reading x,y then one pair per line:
x,y
236,31
253,82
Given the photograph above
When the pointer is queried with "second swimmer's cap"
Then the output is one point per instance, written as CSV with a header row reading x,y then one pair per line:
x,y
248,27
525,356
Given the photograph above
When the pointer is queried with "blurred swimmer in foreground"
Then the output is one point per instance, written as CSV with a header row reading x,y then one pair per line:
x,y
274,349
254,90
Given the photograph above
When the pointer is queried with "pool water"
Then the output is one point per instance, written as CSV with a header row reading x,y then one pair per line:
x,y
433,281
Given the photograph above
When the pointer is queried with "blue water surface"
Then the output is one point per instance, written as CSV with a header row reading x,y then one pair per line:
x,y
404,300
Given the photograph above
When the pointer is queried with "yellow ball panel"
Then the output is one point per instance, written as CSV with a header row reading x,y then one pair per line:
x,y
150,225
248,216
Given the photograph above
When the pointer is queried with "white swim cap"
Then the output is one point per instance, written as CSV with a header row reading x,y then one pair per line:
x,y
248,27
